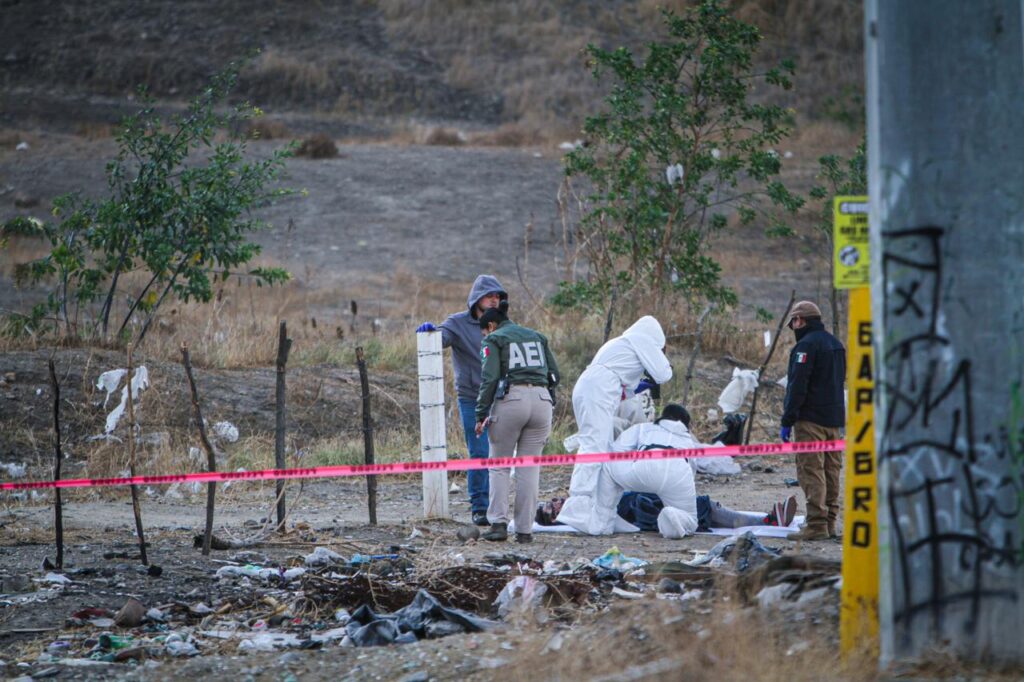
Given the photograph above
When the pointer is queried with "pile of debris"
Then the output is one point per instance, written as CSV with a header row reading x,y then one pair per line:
x,y
325,599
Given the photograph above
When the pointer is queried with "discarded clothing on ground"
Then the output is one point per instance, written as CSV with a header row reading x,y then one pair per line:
x,y
743,552
424,618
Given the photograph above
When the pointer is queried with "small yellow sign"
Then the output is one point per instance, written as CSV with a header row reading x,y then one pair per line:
x,y
850,236
858,615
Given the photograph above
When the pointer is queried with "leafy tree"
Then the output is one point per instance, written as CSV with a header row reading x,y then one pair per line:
x,y
179,212
842,177
679,148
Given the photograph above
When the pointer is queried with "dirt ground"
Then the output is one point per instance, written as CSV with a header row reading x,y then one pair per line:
x,y
101,560
377,211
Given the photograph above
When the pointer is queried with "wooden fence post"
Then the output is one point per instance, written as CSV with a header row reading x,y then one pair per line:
x,y
211,455
371,481
284,345
136,509
58,509
760,372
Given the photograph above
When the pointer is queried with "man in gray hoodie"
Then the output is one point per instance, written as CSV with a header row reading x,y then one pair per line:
x,y
461,332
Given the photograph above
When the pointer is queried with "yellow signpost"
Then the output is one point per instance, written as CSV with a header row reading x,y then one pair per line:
x,y
858,618
851,242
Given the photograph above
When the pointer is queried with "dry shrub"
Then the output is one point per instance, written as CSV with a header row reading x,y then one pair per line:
x,y
267,129
664,640
443,137
318,146
278,73
92,130
508,135
815,138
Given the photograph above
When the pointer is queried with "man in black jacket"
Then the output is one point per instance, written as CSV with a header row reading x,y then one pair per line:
x,y
815,410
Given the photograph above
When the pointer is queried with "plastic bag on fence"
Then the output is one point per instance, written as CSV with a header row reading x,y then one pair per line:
x,y
743,383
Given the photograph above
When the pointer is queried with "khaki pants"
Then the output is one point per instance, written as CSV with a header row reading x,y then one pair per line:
x,y
520,424
818,475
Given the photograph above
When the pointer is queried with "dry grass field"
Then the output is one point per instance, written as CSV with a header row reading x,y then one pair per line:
x,y
447,117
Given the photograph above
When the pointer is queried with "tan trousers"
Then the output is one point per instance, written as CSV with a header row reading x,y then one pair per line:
x,y
818,475
520,423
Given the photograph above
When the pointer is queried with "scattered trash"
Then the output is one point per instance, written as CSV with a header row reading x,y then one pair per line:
x,y
358,559
109,381
791,482
614,558
467,533
270,641
454,488
743,552
180,648
22,146
669,586
626,594
131,614
774,594
802,645
554,643
14,469
110,642
522,594
56,579
225,431
321,556
424,618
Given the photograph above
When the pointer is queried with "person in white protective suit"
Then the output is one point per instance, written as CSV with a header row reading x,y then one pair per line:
x,y
671,480
615,371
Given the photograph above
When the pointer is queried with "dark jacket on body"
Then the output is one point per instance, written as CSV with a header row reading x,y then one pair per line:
x,y
817,372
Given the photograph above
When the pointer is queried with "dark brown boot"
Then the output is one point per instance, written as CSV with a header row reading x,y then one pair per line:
x,y
497,533
524,538
810,533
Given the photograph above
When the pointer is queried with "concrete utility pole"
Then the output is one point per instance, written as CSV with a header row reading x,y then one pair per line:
x,y
946,180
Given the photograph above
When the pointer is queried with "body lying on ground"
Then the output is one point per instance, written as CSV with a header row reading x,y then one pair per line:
x,y
670,479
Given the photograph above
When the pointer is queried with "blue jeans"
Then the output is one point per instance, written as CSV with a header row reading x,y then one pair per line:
x,y
478,449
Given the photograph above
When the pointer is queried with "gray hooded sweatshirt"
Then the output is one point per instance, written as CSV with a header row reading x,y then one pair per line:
x,y
461,332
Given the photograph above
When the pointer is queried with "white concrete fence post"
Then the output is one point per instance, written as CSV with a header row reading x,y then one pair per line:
x,y
433,445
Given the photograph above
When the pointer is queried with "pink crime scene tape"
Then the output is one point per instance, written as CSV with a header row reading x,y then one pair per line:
x,y
446,465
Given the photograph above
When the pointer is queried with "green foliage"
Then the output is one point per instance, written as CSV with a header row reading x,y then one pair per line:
x,y
763,315
179,211
841,177
847,108
678,150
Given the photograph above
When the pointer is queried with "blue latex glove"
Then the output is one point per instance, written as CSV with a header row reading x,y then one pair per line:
x,y
426,327
784,433
643,386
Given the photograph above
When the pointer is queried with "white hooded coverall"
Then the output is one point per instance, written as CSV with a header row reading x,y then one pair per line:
x,y
669,479
618,366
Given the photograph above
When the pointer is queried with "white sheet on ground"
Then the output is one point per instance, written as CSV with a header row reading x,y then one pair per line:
x,y
761,531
